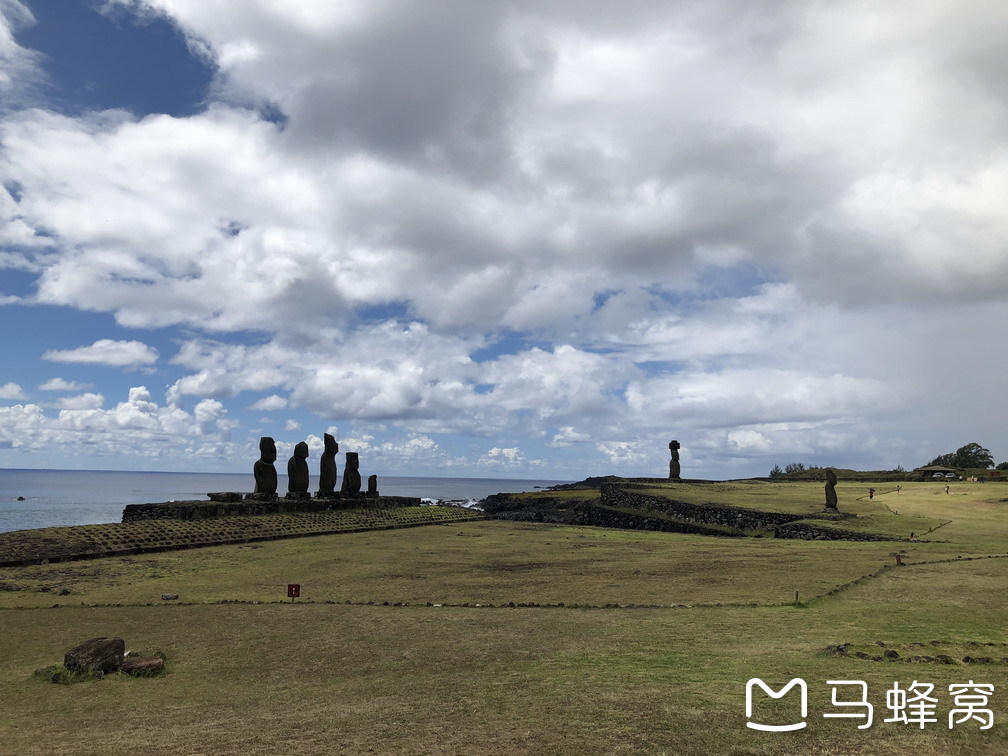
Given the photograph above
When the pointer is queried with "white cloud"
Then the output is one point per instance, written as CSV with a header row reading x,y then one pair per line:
x,y
12,392
627,454
107,352
770,231
568,436
507,458
60,384
81,402
292,425
271,402
19,67
137,427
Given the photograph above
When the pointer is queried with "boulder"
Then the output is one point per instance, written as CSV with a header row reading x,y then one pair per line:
x,y
142,665
225,496
96,655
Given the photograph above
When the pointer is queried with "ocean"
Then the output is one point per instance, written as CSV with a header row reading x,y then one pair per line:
x,y
85,497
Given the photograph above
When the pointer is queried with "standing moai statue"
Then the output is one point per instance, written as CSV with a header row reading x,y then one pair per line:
x,y
372,486
351,476
831,497
673,467
327,468
263,470
297,470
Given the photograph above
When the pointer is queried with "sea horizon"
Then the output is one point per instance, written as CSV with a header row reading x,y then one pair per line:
x,y
83,497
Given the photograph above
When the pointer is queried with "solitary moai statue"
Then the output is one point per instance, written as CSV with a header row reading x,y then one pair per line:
x,y
673,466
297,469
831,498
372,486
327,467
351,475
263,470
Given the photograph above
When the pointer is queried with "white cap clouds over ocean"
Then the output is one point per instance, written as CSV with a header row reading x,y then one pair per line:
x,y
533,239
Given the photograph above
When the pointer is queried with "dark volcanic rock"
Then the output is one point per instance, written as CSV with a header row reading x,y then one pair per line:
x,y
142,665
96,655
225,496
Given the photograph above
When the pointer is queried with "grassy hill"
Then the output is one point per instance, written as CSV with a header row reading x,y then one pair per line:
x,y
512,637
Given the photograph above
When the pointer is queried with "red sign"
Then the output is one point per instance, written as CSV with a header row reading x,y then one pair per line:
x,y
294,590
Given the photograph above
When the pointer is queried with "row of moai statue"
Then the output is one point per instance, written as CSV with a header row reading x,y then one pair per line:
x,y
297,472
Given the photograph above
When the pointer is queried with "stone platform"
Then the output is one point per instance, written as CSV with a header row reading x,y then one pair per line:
x,y
222,507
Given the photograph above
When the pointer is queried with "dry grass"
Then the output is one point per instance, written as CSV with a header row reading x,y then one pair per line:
x,y
90,541
332,678
490,562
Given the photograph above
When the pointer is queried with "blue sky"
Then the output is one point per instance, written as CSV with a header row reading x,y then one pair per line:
x,y
501,240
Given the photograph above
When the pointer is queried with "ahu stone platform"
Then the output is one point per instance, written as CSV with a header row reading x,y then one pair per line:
x,y
224,505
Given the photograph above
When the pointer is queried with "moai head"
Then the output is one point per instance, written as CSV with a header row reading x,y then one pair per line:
x,y
830,476
301,450
331,447
352,461
673,446
267,449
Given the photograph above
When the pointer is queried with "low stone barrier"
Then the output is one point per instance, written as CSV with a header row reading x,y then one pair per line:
x,y
203,510
627,504
736,518
807,532
602,516
59,544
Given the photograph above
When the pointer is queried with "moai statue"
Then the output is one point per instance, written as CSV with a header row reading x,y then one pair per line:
x,y
673,467
831,498
297,471
351,476
263,470
327,468
372,486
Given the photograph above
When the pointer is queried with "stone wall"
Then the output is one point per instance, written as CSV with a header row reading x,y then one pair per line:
x,y
736,518
203,510
607,517
625,505
807,532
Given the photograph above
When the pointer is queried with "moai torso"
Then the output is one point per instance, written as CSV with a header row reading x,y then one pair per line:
x,y
351,475
831,497
673,468
327,466
297,469
263,470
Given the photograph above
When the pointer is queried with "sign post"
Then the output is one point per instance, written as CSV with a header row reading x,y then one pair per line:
x,y
293,591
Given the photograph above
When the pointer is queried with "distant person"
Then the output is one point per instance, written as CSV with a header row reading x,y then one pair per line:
x,y
871,493
897,490
946,489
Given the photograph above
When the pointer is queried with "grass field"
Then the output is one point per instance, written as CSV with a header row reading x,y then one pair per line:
x,y
649,654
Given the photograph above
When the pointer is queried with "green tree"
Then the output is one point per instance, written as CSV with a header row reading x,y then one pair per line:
x,y
970,455
1001,466
794,467
776,472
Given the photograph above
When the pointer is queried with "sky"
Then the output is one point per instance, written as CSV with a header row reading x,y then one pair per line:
x,y
502,239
